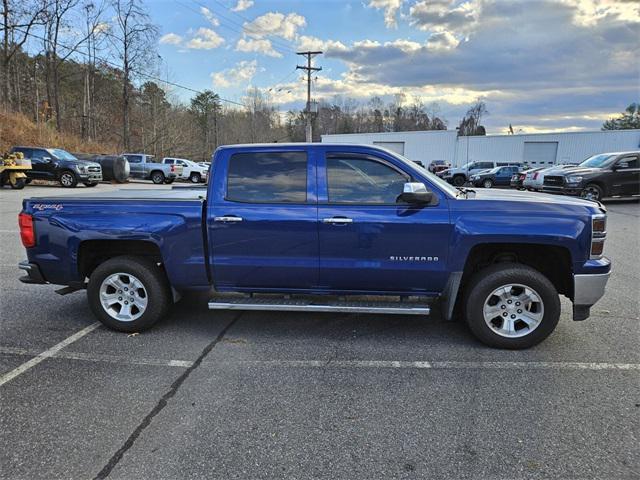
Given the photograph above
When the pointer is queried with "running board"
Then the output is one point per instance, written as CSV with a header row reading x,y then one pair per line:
x,y
302,305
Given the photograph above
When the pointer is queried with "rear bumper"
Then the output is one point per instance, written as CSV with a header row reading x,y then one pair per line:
x,y
34,275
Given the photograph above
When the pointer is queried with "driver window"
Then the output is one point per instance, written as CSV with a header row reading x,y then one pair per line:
x,y
363,181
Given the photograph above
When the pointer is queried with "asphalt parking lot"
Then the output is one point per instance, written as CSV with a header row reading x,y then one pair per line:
x,y
291,395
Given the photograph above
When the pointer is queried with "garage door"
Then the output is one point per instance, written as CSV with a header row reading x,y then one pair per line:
x,y
539,154
397,147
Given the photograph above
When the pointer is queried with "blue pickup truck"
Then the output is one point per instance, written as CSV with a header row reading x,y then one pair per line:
x,y
325,228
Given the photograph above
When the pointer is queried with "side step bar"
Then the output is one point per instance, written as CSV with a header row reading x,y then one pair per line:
x,y
303,305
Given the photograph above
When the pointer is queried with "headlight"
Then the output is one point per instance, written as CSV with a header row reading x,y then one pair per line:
x,y
574,179
82,168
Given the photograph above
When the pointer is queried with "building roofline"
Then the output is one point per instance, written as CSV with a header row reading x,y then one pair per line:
x,y
481,136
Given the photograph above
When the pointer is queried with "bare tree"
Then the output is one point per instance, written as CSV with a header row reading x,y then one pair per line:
x,y
470,123
133,38
18,19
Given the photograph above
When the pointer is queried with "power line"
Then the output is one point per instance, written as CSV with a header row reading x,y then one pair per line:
x,y
114,65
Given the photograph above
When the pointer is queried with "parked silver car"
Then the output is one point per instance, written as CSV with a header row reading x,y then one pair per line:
x,y
535,179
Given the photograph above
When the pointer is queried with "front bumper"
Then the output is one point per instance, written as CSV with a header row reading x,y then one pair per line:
x,y
588,288
90,177
34,275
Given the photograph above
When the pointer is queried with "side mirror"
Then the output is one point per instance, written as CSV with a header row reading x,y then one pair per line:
x,y
415,193
46,159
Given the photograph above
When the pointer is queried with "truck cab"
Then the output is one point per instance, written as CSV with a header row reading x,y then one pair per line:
x,y
326,228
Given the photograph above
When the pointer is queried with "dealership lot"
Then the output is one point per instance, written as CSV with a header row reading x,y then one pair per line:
x,y
274,395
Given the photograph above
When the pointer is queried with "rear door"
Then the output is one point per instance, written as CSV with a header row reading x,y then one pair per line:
x,y
262,220
626,176
370,243
136,167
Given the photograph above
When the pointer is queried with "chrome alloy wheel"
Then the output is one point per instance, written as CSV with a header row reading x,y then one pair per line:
x,y
513,310
66,179
123,297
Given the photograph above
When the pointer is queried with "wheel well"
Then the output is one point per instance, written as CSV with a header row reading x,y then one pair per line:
x,y
64,170
156,171
94,252
552,261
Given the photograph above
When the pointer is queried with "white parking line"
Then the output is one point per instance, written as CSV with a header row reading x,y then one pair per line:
x,y
7,377
328,363
442,365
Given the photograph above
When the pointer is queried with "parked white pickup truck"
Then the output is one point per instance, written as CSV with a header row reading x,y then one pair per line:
x,y
191,171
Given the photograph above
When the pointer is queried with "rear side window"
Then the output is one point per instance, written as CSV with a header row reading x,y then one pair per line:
x,y
267,177
134,158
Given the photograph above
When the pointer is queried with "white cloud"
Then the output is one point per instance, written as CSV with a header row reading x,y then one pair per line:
x,y
390,8
442,41
275,24
445,15
242,5
262,46
211,18
205,39
309,43
241,74
171,39
590,12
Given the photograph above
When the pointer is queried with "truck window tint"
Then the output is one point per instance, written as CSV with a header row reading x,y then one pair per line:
x,y
134,158
628,162
268,177
362,181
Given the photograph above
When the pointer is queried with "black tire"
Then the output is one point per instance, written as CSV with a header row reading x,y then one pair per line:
x,y
90,184
157,177
68,179
153,279
459,180
484,282
487,183
195,177
169,181
592,192
19,185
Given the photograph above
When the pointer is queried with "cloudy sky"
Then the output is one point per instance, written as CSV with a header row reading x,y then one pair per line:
x,y
540,65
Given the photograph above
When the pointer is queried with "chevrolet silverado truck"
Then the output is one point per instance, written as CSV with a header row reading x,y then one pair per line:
x,y
324,228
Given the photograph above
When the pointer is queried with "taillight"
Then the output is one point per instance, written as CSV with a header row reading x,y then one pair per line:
x,y
27,232
535,175
173,168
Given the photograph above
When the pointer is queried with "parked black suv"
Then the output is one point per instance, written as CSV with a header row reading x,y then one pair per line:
x,y
59,165
604,175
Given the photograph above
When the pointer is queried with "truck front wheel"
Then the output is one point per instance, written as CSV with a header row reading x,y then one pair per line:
x,y
129,294
513,306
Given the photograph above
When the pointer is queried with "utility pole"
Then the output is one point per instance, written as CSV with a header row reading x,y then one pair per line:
x,y
309,69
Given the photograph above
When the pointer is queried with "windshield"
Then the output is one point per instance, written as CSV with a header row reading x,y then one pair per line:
x,y
451,190
62,154
598,161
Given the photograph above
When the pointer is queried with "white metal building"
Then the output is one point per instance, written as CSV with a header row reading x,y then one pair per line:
x,y
534,149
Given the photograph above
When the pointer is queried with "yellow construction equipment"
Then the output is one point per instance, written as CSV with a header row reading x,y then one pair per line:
x,y
12,170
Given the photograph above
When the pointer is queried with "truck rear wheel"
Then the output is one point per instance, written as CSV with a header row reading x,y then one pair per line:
x,y
459,180
157,177
513,306
129,294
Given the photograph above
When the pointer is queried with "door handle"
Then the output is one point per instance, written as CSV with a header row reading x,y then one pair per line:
x,y
337,220
227,219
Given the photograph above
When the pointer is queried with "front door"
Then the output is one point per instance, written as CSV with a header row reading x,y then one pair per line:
x,y
136,167
262,221
369,242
